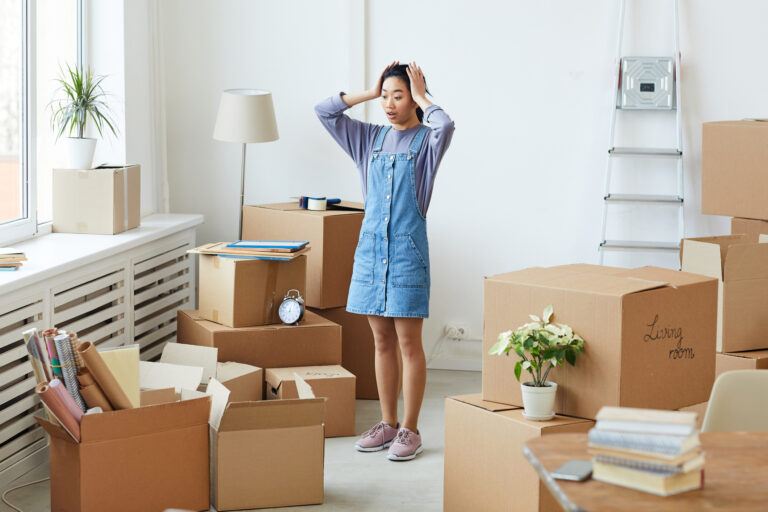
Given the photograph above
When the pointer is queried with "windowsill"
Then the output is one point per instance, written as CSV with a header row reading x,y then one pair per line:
x,y
56,253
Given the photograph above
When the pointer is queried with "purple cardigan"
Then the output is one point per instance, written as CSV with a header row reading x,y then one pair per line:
x,y
357,139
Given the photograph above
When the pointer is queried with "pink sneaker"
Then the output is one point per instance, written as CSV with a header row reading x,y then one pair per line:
x,y
406,446
377,438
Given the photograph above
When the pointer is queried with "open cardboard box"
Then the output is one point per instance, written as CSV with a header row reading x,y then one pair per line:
x,y
751,360
147,458
741,269
269,453
649,335
331,382
753,228
333,235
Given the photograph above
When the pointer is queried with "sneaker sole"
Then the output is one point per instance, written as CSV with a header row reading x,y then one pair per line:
x,y
392,456
373,448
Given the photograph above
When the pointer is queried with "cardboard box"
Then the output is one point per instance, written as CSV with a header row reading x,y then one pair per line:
x,y
149,458
734,177
245,292
741,269
753,228
331,382
333,235
245,382
358,350
752,360
485,468
649,335
699,409
314,342
101,201
268,454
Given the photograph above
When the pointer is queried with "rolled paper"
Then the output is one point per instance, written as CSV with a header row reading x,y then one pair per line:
x,y
69,368
74,342
103,376
35,359
66,399
53,403
91,392
49,335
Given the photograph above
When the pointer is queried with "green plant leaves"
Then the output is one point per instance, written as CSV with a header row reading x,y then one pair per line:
x,y
518,369
570,356
80,97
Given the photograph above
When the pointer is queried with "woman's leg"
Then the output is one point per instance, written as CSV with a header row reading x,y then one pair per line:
x,y
414,368
387,370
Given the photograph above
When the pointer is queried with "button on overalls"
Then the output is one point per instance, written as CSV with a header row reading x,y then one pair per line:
x,y
390,276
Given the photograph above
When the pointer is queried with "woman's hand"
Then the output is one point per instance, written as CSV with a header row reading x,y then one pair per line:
x,y
375,91
418,85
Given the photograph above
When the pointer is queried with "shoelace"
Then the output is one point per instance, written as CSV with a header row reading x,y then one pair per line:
x,y
402,436
375,430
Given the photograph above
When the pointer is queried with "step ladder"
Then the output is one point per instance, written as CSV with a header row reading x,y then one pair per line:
x,y
645,83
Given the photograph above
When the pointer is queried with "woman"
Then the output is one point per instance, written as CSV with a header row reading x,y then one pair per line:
x,y
390,278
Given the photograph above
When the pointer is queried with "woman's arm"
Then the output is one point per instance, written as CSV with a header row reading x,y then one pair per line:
x,y
441,125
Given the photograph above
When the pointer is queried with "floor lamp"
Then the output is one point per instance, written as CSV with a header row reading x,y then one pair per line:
x,y
245,115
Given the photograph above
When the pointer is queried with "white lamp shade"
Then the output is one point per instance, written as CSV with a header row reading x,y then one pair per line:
x,y
246,115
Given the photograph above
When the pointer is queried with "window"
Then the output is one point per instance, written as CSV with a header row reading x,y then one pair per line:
x,y
36,37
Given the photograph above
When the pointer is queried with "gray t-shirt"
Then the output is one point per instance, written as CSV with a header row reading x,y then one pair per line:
x,y
357,139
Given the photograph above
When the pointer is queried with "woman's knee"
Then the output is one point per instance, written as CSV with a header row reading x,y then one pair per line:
x,y
411,347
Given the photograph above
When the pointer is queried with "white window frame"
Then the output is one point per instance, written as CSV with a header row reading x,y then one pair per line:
x,y
27,227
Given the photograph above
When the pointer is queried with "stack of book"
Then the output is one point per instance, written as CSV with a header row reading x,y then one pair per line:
x,y
10,259
648,450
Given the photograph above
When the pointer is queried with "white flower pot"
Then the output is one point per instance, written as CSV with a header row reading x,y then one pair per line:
x,y
539,403
79,152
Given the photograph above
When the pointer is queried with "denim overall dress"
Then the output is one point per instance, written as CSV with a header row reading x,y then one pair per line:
x,y
390,276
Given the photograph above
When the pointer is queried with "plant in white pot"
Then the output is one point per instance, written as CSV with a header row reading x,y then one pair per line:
x,y
541,345
78,97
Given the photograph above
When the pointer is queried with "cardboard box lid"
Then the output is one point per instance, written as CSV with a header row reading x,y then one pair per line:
x,y
232,370
111,425
165,375
585,278
751,354
310,320
343,208
729,258
276,376
755,122
299,412
477,401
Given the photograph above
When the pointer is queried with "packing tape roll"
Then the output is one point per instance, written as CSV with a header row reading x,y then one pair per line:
x,y
317,204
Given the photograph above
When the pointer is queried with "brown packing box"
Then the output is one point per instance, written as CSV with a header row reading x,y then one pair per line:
x,y
245,292
484,464
699,409
101,201
331,382
268,454
333,235
149,459
734,170
245,382
649,335
314,342
753,228
752,360
358,349
741,269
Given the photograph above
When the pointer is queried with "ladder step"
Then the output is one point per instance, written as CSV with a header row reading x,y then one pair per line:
x,y
643,198
646,152
634,244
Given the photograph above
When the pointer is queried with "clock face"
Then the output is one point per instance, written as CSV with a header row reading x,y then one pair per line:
x,y
289,311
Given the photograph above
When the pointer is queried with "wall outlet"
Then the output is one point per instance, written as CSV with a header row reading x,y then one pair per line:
x,y
456,331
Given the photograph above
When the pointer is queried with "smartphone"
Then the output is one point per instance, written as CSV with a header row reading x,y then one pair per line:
x,y
576,470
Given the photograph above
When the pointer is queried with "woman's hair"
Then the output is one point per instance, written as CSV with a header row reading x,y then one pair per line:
x,y
400,72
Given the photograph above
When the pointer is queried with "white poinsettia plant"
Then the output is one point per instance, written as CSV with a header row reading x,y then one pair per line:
x,y
541,345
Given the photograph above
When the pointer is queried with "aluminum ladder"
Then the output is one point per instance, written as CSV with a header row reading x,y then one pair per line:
x,y
610,198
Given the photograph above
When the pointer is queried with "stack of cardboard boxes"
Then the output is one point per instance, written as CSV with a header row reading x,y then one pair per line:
x,y
735,183
649,342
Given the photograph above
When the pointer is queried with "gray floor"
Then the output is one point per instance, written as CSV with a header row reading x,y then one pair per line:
x,y
354,481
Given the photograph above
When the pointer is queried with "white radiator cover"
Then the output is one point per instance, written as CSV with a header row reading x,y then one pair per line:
x,y
129,297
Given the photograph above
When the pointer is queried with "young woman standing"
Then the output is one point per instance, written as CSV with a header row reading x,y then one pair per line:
x,y
390,279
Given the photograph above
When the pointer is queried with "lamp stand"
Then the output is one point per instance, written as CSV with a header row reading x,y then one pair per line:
x,y
242,195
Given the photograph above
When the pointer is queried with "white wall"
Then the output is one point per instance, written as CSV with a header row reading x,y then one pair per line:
x,y
527,83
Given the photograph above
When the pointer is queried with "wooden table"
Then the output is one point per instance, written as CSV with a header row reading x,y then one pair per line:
x,y
735,476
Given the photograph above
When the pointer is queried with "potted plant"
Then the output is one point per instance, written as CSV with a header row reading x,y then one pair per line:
x,y
78,97
541,345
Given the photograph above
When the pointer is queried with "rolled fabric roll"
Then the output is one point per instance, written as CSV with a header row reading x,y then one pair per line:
x,y
91,392
69,368
67,399
104,376
53,402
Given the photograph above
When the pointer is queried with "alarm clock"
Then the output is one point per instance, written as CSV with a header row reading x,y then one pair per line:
x,y
291,310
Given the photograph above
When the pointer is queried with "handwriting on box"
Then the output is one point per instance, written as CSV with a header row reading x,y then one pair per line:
x,y
674,334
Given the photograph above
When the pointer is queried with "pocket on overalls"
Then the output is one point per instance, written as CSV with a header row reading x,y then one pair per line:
x,y
365,254
408,267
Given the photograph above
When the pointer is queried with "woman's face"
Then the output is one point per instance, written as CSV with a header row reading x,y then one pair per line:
x,y
396,100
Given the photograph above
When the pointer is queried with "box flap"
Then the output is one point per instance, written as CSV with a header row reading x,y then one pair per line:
x,y
219,397
278,375
159,396
310,320
165,375
53,430
752,354
232,370
144,420
273,414
703,258
746,261
722,243
192,355
477,401
302,388
674,278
